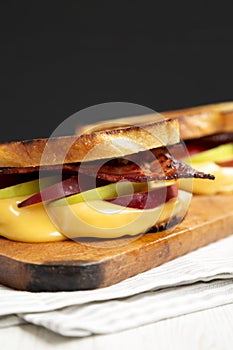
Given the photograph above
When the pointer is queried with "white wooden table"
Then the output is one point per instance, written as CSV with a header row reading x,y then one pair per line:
x,y
210,329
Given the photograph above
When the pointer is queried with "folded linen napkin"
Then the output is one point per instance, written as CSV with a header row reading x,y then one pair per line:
x,y
199,280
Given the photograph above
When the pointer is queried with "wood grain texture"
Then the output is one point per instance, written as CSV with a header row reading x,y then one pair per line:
x,y
72,265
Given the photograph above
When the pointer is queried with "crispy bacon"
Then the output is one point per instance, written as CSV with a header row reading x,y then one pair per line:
x,y
211,141
67,168
157,164
10,176
15,178
163,167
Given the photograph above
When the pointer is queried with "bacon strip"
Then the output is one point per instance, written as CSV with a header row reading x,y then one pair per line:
x,y
157,164
211,141
163,167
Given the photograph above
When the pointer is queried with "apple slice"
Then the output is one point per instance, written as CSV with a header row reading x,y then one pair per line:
x,y
228,163
69,192
148,199
59,189
221,153
112,191
22,189
26,188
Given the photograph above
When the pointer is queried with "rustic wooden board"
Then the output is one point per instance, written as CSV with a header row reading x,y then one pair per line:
x,y
70,265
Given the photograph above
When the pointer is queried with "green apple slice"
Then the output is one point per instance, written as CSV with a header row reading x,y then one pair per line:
x,y
111,191
221,153
27,188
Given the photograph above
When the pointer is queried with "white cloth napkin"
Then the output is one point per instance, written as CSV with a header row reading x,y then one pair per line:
x,y
197,281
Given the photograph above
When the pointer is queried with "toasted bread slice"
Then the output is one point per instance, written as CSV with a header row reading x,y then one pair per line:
x,y
195,122
107,142
203,120
121,137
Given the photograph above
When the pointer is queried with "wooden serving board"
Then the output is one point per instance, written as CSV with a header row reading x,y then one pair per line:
x,y
70,265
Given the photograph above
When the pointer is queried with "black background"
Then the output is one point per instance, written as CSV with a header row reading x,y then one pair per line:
x,y
58,57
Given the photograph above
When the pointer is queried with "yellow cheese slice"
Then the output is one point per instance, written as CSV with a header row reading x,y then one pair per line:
x,y
106,220
29,224
86,219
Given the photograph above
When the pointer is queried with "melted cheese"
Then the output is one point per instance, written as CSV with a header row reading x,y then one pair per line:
x,y
106,220
29,224
87,219
223,182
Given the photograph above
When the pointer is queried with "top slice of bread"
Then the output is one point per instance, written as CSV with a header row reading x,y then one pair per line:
x,y
205,120
127,137
195,122
120,137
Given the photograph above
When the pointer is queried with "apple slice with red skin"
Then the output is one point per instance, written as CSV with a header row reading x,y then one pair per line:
x,y
70,186
147,200
195,149
61,189
229,163
58,190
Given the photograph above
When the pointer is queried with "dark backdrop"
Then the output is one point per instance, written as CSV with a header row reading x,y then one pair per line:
x,y
58,57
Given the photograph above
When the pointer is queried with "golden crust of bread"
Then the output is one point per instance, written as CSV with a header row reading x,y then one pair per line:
x,y
195,122
120,137
205,120
100,144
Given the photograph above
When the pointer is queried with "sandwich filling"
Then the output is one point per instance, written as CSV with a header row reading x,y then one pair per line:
x,y
212,154
114,198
